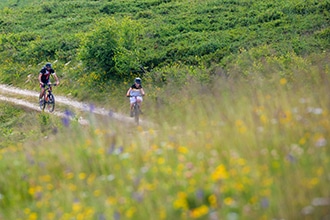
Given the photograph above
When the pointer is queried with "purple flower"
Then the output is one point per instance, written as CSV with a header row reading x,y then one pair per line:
x,y
111,149
264,203
116,216
137,196
200,194
110,113
68,113
291,158
101,217
91,108
121,149
66,121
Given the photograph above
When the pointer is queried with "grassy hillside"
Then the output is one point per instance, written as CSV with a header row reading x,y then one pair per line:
x,y
197,33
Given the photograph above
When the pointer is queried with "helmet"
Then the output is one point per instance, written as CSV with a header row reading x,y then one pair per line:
x,y
48,65
137,80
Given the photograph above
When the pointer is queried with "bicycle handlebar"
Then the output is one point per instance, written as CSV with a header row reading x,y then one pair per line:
x,y
51,84
129,96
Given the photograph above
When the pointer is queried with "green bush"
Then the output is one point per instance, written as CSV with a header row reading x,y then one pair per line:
x,y
111,47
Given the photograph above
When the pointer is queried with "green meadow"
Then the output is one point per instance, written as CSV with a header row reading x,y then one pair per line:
x,y
237,96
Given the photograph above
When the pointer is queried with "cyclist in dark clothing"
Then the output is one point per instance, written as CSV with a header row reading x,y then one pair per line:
x,y
44,76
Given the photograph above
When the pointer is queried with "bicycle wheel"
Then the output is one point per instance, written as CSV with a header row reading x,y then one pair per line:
x,y
51,103
136,113
42,104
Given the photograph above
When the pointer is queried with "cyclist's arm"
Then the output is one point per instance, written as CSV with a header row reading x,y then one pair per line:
x,y
128,92
39,78
56,78
142,92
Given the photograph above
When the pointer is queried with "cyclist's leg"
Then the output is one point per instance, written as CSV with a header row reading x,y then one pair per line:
x,y
131,100
42,91
139,101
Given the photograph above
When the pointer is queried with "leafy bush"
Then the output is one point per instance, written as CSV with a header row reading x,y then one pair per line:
x,y
111,47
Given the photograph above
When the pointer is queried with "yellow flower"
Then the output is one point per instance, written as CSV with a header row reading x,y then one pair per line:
x,y
111,201
213,200
229,201
33,216
45,178
72,187
76,207
246,170
82,176
91,179
162,214
69,175
130,212
183,150
264,119
161,160
239,186
181,201
50,216
97,193
50,186
220,173
283,81
199,211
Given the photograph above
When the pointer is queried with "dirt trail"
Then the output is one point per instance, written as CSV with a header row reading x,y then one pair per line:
x,y
5,90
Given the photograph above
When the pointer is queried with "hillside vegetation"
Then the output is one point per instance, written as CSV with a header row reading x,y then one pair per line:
x,y
237,92
118,38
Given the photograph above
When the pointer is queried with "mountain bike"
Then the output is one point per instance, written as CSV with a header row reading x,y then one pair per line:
x,y
48,99
136,110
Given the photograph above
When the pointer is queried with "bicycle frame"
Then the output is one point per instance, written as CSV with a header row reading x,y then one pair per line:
x,y
48,98
136,110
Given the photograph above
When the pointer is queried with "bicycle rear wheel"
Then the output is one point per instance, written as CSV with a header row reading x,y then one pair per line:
x,y
51,103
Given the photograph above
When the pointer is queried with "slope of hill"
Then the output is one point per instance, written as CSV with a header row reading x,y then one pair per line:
x,y
189,32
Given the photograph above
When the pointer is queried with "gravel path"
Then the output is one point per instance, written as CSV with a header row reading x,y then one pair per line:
x,y
5,90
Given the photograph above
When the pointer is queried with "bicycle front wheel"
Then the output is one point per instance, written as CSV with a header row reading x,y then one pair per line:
x,y
136,114
51,103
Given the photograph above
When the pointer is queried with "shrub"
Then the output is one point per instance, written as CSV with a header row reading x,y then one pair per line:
x,y
111,47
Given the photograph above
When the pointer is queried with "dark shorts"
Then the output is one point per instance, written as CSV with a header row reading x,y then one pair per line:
x,y
44,84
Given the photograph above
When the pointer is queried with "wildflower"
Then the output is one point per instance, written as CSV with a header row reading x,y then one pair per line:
x,y
183,150
181,201
264,203
82,176
91,108
213,200
161,160
283,81
162,214
97,193
199,194
76,207
110,113
116,215
33,216
228,201
66,119
130,212
320,142
199,211
291,158
220,173
45,178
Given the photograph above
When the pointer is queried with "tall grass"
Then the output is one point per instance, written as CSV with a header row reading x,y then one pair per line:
x,y
254,148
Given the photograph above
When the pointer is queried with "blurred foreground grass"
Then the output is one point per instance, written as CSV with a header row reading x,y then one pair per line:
x,y
241,149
